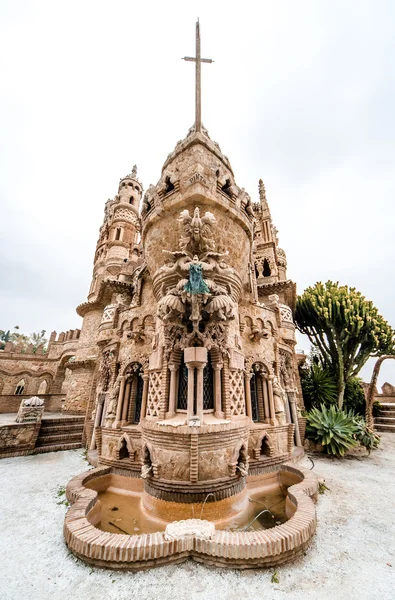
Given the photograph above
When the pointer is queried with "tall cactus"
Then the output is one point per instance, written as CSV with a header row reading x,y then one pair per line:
x,y
345,327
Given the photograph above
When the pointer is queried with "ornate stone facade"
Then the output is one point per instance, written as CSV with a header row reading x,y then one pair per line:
x,y
185,365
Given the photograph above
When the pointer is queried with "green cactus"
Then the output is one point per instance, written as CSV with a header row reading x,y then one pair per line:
x,y
345,327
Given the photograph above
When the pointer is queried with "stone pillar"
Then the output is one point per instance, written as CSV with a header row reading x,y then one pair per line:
x,y
195,357
191,392
173,390
271,399
247,389
116,425
98,415
199,391
292,400
125,403
265,399
145,396
217,367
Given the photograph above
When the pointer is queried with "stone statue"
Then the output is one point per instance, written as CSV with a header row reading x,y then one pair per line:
x,y
196,283
198,232
280,399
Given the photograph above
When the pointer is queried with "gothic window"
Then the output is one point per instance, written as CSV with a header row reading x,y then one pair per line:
x,y
208,394
134,392
131,200
20,387
169,186
226,187
182,402
254,397
43,387
266,268
265,448
123,451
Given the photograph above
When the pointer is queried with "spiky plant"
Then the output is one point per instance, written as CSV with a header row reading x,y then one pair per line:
x,y
318,386
365,435
332,428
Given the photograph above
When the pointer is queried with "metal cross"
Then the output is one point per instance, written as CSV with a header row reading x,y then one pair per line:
x,y
198,60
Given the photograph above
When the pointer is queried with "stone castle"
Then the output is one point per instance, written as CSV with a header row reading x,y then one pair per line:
x,y
185,365
187,328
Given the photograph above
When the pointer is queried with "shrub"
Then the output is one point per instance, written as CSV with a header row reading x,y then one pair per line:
x,y
354,396
333,428
365,435
376,408
318,386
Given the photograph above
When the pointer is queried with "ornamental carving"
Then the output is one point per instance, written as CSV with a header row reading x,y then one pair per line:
x,y
197,299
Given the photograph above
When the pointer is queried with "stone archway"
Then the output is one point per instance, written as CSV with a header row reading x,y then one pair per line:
x,y
371,389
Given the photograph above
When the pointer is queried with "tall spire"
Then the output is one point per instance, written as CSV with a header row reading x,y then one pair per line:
x,y
198,85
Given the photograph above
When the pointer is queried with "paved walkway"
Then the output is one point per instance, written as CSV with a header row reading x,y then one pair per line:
x,y
352,556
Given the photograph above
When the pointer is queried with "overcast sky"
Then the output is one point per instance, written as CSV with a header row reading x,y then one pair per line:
x,y
301,94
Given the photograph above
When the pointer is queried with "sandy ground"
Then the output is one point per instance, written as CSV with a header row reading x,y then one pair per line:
x,y
352,555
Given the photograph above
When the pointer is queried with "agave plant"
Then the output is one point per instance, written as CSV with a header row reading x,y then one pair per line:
x,y
333,428
365,435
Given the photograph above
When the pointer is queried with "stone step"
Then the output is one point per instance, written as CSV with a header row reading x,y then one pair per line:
x,y
380,427
53,429
387,406
385,420
47,440
57,447
62,420
387,413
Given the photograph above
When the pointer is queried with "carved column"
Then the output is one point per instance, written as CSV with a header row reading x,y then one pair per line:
x,y
125,404
145,396
217,367
271,399
292,400
132,402
191,390
265,398
199,391
247,389
173,390
116,424
98,415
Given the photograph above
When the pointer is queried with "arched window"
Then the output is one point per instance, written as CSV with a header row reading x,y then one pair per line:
x,y
208,395
169,186
254,397
133,394
131,200
20,387
266,268
43,388
265,447
123,451
118,232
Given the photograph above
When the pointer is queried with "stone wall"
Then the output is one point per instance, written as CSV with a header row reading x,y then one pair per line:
x,y
9,403
17,439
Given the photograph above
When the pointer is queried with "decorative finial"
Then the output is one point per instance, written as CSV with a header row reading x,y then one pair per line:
x,y
262,194
198,86
134,171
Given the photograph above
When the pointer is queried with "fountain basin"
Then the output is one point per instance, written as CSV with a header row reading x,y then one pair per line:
x,y
86,535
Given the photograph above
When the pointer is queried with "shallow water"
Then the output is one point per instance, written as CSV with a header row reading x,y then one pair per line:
x,y
123,513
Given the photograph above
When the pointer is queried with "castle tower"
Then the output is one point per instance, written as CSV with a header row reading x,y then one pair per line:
x,y
117,255
187,341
